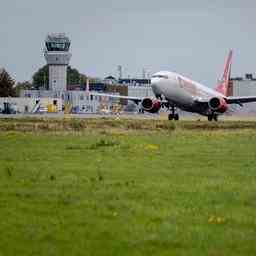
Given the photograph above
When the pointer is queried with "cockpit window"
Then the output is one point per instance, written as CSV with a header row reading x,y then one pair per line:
x,y
160,76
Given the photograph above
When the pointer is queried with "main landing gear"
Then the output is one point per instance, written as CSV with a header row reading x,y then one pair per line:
x,y
213,117
173,115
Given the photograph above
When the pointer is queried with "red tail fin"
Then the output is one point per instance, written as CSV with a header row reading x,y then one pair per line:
x,y
224,83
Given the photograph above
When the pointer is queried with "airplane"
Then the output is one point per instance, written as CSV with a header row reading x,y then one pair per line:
x,y
173,90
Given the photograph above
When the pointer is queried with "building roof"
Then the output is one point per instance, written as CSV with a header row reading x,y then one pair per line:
x,y
57,38
110,78
248,76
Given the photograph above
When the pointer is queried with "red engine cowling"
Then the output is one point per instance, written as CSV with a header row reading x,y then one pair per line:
x,y
151,105
218,105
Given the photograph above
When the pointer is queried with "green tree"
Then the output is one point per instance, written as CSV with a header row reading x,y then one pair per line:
x,y
22,86
6,84
73,76
41,77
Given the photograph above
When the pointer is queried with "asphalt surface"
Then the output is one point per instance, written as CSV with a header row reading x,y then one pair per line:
x,y
162,116
62,115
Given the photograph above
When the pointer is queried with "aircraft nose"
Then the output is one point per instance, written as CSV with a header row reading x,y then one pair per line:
x,y
154,81
155,85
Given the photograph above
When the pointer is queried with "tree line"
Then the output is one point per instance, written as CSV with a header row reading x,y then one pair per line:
x,y
9,88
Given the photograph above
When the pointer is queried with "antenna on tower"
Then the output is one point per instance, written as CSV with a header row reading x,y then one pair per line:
x,y
120,71
144,73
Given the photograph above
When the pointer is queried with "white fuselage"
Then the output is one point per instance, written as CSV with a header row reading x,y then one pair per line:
x,y
181,91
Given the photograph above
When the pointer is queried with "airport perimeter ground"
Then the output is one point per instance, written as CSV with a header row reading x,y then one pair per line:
x,y
127,187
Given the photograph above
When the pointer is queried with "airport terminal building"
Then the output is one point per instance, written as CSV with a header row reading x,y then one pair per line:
x,y
244,86
57,57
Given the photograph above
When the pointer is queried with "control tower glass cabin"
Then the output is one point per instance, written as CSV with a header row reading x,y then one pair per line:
x,y
57,56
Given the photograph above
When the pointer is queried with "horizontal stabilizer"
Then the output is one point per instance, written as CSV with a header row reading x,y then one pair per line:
x,y
240,99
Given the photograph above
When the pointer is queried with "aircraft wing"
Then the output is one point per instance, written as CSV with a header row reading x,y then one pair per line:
x,y
201,101
231,100
164,102
240,99
135,99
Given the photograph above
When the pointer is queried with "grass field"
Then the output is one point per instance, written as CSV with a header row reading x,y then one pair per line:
x,y
106,187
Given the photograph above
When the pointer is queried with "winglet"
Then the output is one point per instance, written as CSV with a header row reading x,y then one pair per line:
x,y
224,83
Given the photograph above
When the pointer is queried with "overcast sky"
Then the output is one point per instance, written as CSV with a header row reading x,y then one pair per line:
x,y
189,37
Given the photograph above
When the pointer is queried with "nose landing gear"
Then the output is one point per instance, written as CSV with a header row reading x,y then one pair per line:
x,y
213,117
173,115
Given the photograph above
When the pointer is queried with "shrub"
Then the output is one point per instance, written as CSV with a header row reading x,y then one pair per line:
x,y
104,143
76,124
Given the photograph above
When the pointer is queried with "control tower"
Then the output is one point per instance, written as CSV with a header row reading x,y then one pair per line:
x,y
57,56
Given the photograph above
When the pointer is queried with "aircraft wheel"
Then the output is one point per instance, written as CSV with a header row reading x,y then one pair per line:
x,y
176,117
210,118
170,117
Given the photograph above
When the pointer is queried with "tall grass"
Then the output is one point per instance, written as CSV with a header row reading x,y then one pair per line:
x,y
105,125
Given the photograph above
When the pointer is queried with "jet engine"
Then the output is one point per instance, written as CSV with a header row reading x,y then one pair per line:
x,y
151,105
218,104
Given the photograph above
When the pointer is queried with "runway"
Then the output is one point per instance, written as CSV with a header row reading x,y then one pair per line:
x,y
84,116
137,116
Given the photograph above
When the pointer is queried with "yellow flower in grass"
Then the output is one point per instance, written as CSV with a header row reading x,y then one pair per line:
x,y
152,147
216,220
211,219
220,220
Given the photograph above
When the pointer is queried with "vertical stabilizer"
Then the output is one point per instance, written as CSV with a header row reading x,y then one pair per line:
x,y
224,83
